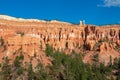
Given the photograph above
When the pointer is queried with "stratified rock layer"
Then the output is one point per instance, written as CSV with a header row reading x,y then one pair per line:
x,y
33,35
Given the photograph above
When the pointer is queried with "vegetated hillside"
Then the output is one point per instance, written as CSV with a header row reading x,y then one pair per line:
x,y
64,67
29,37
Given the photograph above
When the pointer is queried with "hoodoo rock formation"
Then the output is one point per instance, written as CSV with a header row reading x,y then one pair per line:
x,y
32,35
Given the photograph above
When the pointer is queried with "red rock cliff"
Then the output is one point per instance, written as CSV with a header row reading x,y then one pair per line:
x,y
33,35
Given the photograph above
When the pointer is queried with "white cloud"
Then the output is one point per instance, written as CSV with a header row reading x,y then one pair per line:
x,y
110,3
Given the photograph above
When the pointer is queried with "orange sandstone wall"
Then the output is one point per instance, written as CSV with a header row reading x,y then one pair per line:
x,y
62,36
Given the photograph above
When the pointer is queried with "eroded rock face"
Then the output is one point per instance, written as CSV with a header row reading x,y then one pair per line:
x,y
32,36
106,52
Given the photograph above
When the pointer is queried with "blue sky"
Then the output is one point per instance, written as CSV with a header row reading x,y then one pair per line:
x,y
96,12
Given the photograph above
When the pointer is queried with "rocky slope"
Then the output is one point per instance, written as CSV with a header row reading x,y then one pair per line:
x,y
32,35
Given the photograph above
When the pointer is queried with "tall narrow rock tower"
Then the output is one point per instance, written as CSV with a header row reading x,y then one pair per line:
x,y
82,23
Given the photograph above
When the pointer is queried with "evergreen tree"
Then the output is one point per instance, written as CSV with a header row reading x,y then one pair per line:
x,y
6,69
31,74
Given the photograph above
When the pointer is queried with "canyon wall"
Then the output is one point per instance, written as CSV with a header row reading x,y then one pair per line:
x,y
32,37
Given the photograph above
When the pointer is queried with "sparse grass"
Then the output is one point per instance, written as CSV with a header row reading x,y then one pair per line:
x,y
21,33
